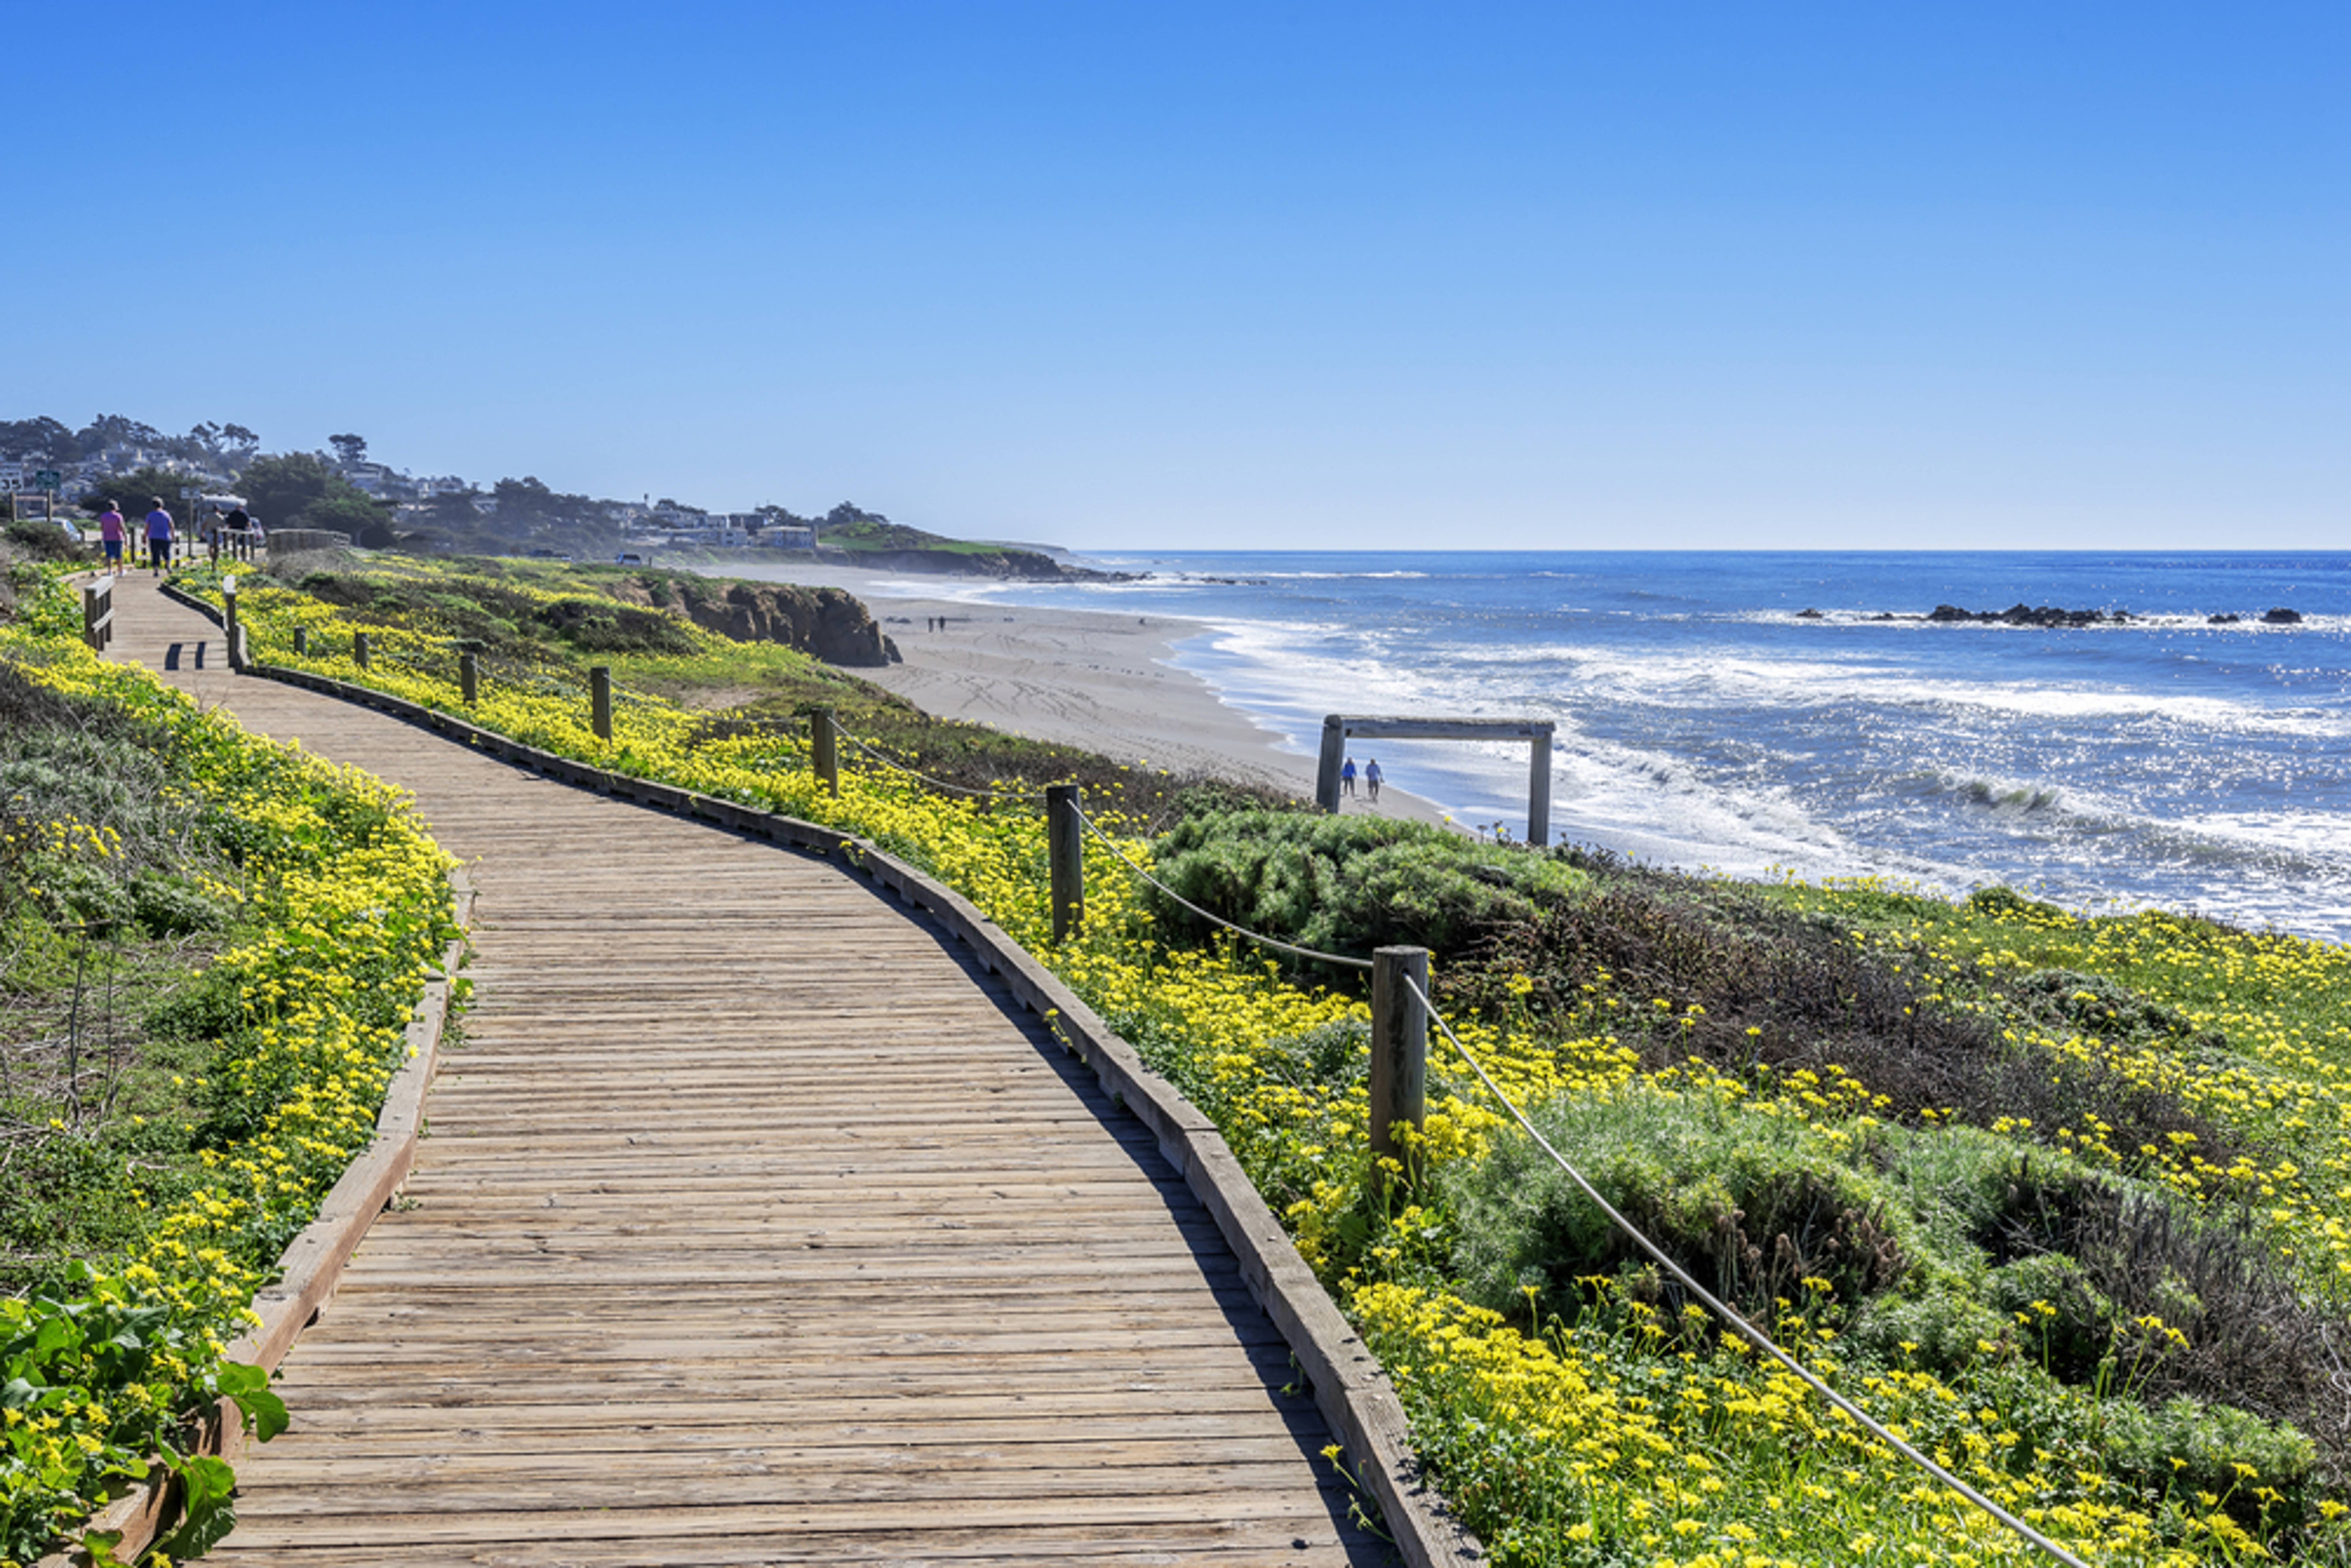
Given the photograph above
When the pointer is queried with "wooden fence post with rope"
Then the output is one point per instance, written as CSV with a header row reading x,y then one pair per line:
x,y
824,749
1399,1067
1065,849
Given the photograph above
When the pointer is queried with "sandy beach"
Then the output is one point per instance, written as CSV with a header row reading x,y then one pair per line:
x,y
1106,681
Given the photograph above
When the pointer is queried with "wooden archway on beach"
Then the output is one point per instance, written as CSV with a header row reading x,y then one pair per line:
x,y
1338,728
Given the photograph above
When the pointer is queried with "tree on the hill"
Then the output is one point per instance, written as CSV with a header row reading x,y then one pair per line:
x,y
524,501
110,428
227,448
302,489
135,490
847,513
349,449
365,518
453,509
278,488
43,441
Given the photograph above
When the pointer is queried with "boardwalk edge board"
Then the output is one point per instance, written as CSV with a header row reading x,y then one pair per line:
x,y
1351,1392
313,1261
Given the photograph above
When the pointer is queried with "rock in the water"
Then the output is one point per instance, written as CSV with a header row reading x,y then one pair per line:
x,y
1810,616
2283,617
2222,620
2022,614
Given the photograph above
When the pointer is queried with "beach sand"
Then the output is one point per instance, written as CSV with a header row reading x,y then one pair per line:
x,y
1105,682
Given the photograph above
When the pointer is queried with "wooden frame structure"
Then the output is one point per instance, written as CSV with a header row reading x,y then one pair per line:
x,y
1337,728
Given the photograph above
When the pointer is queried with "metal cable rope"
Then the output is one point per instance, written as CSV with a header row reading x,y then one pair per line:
x,y
1747,1330
936,783
1257,937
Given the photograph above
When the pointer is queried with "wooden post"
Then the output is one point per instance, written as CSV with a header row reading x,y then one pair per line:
x,y
824,750
97,614
1326,771
1065,849
301,639
360,649
469,677
229,625
1399,1062
599,700
1538,791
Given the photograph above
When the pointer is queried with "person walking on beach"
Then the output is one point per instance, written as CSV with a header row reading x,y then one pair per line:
x,y
110,533
1372,778
1347,778
158,537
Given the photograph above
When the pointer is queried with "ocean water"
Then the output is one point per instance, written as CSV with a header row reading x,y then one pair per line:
x,y
1703,721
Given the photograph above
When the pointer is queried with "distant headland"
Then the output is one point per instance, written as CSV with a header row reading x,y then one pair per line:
x,y
346,490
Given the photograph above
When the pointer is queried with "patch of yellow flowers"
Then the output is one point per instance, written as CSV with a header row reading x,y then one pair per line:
x,y
348,902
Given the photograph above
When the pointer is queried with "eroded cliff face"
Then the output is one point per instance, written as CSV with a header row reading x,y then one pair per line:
x,y
828,622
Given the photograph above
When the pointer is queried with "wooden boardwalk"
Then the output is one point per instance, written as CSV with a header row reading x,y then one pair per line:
x,y
755,1224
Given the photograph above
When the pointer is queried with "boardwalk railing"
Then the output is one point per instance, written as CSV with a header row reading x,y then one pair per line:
x,y
98,613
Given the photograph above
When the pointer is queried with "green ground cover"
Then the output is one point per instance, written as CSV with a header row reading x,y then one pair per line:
x,y
209,946
2064,1198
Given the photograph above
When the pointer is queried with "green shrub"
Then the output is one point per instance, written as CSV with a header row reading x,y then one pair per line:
x,y
2065,1322
172,906
1350,885
1941,1329
1751,1205
2186,1446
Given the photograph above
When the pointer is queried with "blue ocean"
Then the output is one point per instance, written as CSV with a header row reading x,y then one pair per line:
x,y
1705,719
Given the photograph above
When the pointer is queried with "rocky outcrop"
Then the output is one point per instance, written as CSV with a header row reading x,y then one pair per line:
x,y
2032,615
826,623
2049,616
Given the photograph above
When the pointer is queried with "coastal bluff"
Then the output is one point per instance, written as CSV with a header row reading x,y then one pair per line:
x,y
827,624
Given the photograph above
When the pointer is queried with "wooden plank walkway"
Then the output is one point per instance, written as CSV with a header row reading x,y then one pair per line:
x,y
754,1224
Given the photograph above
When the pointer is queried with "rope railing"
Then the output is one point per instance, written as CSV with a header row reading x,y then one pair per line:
x,y
890,762
1259,937
1738,1322
1746,1330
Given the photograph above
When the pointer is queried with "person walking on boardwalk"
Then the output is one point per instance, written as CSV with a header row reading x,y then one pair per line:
x,y
110,533
1372,778
1347,778
158,537
235,527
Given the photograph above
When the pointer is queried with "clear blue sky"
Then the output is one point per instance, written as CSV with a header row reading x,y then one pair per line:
x,y
1118,274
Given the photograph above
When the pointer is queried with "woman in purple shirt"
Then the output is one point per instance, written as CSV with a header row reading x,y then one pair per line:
x,y
159,537
110,533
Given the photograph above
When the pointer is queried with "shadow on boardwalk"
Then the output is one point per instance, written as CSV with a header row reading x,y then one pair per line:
x,y
755,1226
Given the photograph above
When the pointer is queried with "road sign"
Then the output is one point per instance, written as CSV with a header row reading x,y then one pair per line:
x,y
48,479
190,492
